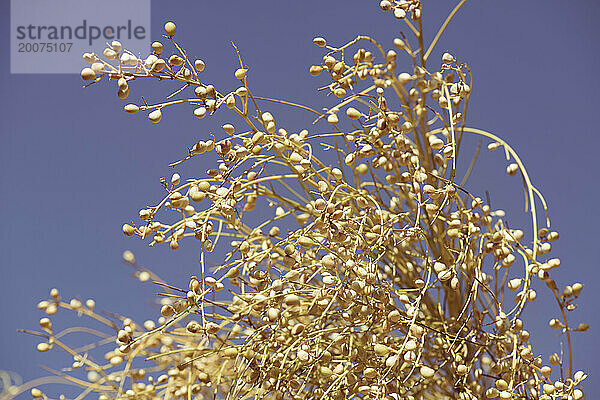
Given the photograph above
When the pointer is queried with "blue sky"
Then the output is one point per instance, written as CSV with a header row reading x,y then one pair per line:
x,y
74,167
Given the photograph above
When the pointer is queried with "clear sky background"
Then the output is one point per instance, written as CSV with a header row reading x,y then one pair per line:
x,y
74,167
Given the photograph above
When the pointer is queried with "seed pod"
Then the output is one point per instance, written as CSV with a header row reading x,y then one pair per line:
x,y
199,65
404,78
176,61
381,350
45,323
353,113
131,108
212,328
88,74
200,112
399,43
315,70
447,58
110,54
512,169
122,83
157,47
128,230
339,92
426,372
319,41
167,310
43,347
291,300
240,73
303,356
385,5
116,45
155,116
305,241
170,28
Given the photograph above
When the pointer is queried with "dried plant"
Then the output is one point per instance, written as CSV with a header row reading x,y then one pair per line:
x,y
371,273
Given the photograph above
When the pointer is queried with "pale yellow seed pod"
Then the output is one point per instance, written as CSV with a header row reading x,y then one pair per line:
x,y
443,102
548,388
155,116
332,119
131,108
240,73
319,41
426,372
175,179
110,54
88,74
514,284
336,173
157,47
128,230
36,393
45,323
170,28
116,45
555,323
512,169
353,113
43,347
199,65
176,60
404,78
506,395
447,58
315,70
400,13
230,101
362,169
200,112
339,92
349,159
